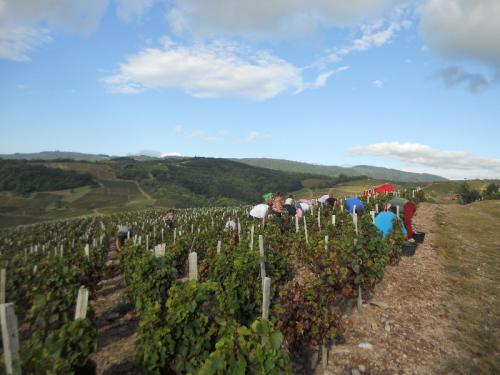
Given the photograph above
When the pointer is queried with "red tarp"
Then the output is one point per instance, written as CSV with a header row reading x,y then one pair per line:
x,y
382,189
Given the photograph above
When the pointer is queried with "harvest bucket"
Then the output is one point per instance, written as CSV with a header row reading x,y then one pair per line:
x,y
419,237
409,248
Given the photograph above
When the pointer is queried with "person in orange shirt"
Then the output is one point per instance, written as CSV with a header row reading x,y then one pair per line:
x,y
278,204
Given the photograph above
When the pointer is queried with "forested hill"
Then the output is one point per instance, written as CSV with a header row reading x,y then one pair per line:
x,y
22,177
197,180
326,170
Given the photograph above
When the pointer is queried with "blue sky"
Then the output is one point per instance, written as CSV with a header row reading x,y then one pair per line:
x,y
405,84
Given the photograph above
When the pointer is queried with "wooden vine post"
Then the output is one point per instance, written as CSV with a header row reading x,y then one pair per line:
x,y
10,339
82,302
372,213
297,224
262,254
333,220
266,298
324,357
305,230
355,219
319,218
360,298
3,284
193,266
252,232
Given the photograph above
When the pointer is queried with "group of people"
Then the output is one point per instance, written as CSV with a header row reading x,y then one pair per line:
x,y
384,220
275,204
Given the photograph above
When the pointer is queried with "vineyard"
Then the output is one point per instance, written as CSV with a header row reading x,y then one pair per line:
x,y
267,298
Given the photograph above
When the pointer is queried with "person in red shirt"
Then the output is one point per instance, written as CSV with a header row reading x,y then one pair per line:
x,y
408,212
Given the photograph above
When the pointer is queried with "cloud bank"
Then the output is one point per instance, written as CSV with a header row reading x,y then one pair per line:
x,y
448,163
24,24
268,19
464,30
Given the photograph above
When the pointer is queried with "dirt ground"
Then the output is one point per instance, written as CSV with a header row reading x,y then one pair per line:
x,y
404,327
116,325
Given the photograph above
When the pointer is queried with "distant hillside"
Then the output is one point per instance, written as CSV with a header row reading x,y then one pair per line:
x,y
63,155
23,178
128,184
200,179
54,155
370,171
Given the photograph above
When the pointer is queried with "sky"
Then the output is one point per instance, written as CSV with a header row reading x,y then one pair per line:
x,y
412,85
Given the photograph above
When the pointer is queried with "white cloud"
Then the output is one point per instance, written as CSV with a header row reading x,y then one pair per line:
x,y
264,19
210,70
252,136
169,154
130,10
463,29
157,154
24,24
17,41
453,164
373,35
195,134
378,83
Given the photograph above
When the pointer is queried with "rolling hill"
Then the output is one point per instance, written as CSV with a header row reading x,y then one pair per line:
x,y
275,164
127,184
53,155
360,170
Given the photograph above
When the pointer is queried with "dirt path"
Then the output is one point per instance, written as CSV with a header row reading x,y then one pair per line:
x,y
116,324
404,329
141,190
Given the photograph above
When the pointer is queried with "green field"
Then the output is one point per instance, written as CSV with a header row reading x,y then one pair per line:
x,y
111,196
469,238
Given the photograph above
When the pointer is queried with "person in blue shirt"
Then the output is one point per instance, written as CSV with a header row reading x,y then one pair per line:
x,y
351,202
384,222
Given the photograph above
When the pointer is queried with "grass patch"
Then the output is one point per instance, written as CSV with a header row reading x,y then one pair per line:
x,y
470,251
113,193
13,220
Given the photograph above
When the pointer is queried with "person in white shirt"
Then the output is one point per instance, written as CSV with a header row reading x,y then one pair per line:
x,y
260,211
289,206
232,224
304,205
323,198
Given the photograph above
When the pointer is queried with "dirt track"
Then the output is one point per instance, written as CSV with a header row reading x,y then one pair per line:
x,y
116,326
405,323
